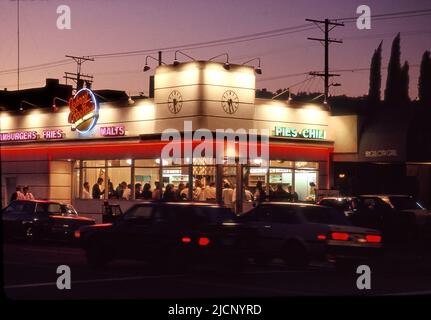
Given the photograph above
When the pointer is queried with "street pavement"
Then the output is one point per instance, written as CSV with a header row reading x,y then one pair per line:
x,y
30,273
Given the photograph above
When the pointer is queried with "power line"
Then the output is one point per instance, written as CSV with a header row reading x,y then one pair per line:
x,y
297,28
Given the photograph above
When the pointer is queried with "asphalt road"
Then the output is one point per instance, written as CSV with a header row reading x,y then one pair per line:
x,y
30,273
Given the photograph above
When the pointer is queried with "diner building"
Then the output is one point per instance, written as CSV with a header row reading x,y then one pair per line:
x,y
56,149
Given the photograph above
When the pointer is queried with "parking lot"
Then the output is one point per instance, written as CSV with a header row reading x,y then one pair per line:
x,y
30,273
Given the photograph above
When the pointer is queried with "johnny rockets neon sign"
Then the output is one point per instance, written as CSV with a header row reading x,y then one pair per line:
x,y
84,111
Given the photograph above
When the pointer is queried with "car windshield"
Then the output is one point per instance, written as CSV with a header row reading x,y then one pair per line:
x,y
67,209
325,216
405,203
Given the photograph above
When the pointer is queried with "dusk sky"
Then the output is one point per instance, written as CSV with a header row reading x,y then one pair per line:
x,y
106,26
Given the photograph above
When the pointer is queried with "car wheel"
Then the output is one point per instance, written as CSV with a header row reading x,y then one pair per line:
x,y
30,235
97,255
296,256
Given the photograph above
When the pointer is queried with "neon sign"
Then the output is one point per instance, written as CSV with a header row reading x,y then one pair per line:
x,y
303,133
84,111
114,131
19,136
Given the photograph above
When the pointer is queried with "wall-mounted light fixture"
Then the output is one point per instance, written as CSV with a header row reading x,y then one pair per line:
x,y
54,106
176,62
147,67
226,65
258,70
21,108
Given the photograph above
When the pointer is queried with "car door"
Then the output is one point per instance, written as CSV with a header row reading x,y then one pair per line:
x,y
131,236
285,226
14,215
269,233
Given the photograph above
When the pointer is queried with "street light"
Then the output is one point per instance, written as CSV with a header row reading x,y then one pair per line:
x,y
226,65
26,102
147,67
258,70
176,62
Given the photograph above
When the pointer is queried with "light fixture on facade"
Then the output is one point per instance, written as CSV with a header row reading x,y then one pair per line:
x,y
147,67
176,62
226,65
54,106
21,108
258,69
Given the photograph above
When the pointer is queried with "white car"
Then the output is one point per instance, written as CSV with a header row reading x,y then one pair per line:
x,y
299,233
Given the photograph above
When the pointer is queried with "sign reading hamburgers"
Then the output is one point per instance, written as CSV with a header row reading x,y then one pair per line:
x,y
84,111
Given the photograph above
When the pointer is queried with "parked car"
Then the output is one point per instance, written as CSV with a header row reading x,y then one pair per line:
x,y
399,217
168,234
300,233
34,220
348,205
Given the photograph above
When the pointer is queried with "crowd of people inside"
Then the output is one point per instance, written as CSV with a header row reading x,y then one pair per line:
x,y
199,192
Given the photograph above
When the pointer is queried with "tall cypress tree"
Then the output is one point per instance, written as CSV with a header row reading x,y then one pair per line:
x,y
405,79
393,81
424,85
375,76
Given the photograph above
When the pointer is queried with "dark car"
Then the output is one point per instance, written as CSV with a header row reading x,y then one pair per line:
x,y
399,217
172,235
34,220
301,233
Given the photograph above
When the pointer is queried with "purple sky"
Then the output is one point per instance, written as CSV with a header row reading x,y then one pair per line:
x,y
103,26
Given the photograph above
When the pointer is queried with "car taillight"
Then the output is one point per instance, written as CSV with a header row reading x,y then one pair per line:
x,y
77,234
321,237
186,240
343,236
203,241
375,238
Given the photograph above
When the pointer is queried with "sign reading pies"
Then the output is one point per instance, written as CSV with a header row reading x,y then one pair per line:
x,y
84,111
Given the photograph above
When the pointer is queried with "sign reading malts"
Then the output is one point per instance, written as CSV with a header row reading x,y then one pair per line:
x,y
19,136
114,131
84,111
305,133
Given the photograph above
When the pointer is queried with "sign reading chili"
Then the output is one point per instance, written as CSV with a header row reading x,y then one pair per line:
x,y
84,111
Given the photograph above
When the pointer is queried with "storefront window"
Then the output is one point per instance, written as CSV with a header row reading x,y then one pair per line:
x,y
119,179
303,178
92,171
204,179
146,176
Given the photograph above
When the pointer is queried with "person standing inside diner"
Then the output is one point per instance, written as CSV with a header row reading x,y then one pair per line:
x,y
157,192
138,190
27,194
227,196
146,193
210,192
86,191
259,194
293,196
127,191
96,191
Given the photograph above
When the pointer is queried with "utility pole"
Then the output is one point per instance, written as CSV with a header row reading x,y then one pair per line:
x,y
326,41
78,77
